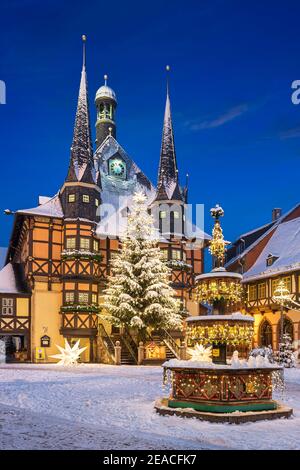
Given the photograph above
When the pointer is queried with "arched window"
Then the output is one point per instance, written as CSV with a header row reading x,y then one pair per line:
x,y
266,334
288,328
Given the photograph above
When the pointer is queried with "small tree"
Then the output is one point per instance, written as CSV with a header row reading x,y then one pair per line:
x,y
285,356
139,293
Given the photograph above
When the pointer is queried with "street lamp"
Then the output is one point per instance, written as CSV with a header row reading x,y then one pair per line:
x,y
281,296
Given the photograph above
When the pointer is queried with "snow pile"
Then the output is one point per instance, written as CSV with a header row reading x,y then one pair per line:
x,y
258,362
94,406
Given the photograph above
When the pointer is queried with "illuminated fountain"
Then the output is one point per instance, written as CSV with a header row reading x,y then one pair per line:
x,y
219,383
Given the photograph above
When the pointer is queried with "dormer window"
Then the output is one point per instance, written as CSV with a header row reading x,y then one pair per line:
x,y
271,259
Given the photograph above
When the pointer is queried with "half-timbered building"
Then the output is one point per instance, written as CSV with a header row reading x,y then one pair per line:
x,y
265,256
59,253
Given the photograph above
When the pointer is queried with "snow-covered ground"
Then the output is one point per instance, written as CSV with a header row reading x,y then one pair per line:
x,y
111,407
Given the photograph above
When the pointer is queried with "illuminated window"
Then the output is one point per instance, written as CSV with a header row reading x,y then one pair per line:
x,y
176,214
164,253
94,298
83,297
96,245
96,202
69,297
162,214
176,254
261,290
71,198
252,292
71,242
85,198
7,306
84,243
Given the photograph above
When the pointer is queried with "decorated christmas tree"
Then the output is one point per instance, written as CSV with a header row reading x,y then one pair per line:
x,y
285,355
139,293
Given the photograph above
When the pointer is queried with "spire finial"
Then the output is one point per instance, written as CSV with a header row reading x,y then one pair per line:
x,y
83,37
105,79
187,176
168,71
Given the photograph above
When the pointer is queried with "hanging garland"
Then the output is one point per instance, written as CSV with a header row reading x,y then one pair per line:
x,y
212,290
221,333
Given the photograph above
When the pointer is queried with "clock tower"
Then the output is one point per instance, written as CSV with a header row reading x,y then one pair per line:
x,y
106,103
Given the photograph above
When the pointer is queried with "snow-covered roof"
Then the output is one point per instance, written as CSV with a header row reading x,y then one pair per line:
x,y
284,243
257,229
51,208
105,92
11,280
219,273
3,252
259,239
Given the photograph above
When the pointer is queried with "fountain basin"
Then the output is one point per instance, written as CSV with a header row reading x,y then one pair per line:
x,y
220,388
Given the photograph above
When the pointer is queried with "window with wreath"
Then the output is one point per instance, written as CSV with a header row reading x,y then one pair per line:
x,y
7,306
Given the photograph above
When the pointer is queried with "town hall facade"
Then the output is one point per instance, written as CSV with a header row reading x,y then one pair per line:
x,y
59,253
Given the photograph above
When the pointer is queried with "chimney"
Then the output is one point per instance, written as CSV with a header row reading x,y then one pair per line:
x,y
276,213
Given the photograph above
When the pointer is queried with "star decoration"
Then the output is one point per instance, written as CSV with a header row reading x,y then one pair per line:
x,y
200,353
69,355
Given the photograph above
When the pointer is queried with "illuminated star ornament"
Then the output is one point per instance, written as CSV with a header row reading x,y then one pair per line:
x,y
69,355
200,353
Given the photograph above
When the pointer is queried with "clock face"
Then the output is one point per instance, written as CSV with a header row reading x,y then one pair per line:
x,y
117,168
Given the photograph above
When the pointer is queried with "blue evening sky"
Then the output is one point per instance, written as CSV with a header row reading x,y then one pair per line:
x,y
236,130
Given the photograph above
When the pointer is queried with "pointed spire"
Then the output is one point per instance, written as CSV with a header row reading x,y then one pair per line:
x,y
81,163
167,185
